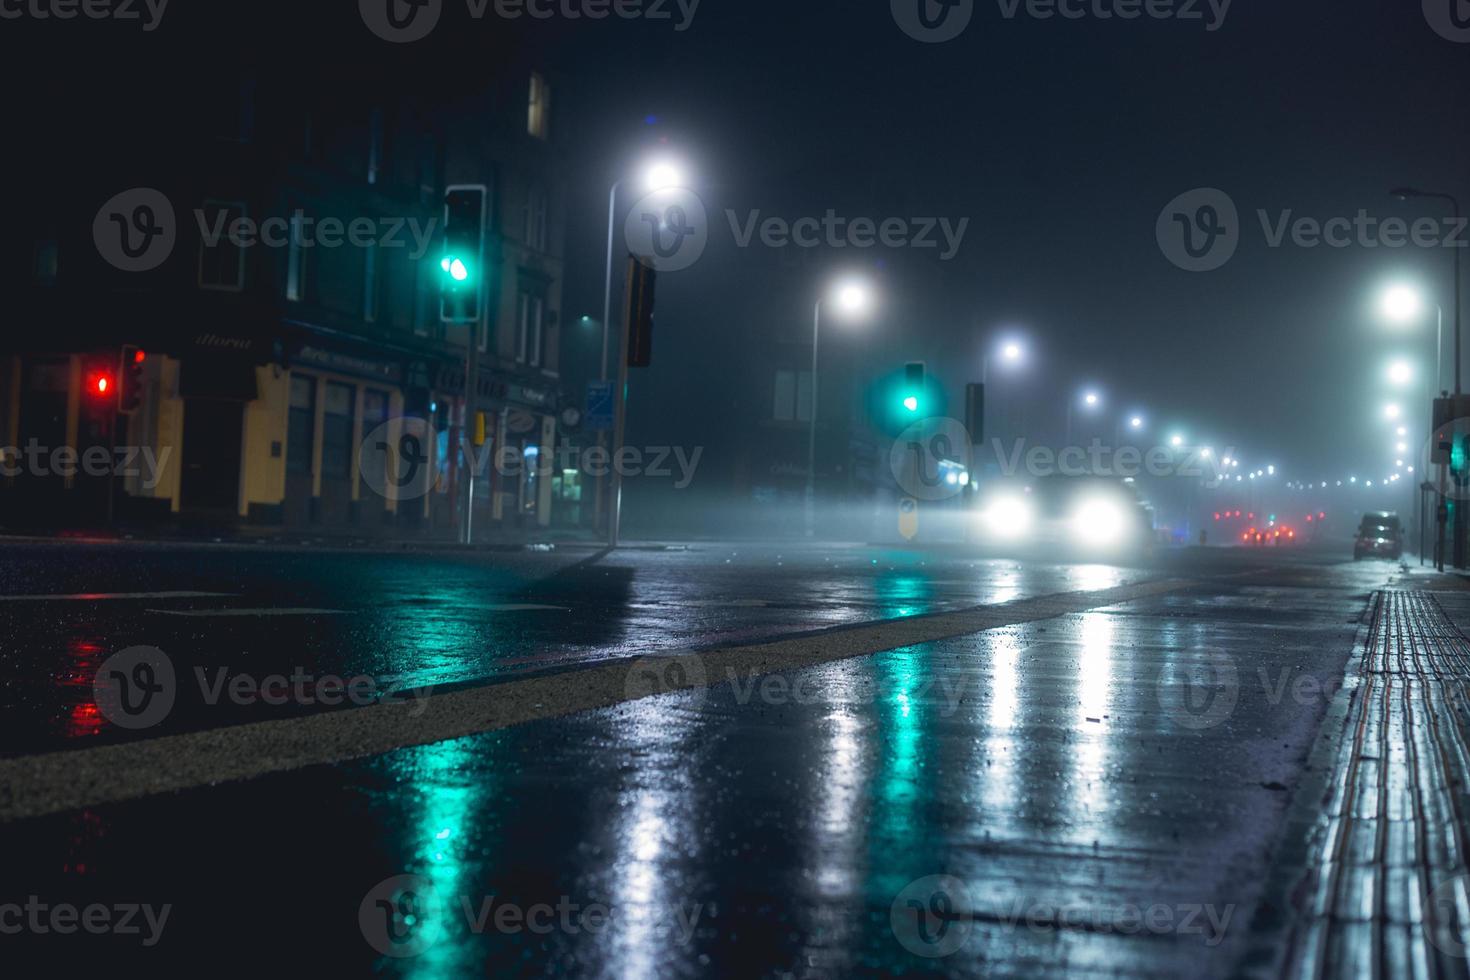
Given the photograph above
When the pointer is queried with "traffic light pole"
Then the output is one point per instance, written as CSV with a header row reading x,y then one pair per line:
x,y
620,415
471,408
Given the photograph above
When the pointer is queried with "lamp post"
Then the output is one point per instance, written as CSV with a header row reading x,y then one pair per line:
x,y
852,298
657,176
1090,401
1012,354
1404,304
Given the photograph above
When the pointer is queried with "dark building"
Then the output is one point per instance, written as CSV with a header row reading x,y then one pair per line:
x,y
293,309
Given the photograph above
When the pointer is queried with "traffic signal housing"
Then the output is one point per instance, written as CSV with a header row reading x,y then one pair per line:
x,y
462,261
913,387
130,379
642,280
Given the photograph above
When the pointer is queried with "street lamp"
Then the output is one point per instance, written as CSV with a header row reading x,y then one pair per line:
x,y
1090,400
657,175
1012,357
1392,410
1400,372
853,299
1176,440
1403,194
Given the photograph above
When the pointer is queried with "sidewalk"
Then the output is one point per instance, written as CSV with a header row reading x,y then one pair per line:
x,y
1386,891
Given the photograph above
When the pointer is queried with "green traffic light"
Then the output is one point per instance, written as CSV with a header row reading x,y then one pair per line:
x,y
456,268
911,403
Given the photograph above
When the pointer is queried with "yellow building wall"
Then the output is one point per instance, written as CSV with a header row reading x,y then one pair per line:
x,y
263,470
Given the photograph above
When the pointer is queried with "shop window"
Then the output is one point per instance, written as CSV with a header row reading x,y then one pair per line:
x,y
301,424
337,430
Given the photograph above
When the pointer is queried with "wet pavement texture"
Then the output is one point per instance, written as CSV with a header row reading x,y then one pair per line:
x,y
417,621
1098,793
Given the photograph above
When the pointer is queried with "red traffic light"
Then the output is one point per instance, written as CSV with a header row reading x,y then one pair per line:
x,y
99,383
1309,518
139,357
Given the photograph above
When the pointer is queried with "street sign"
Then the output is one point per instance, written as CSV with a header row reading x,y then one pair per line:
x,y
599,417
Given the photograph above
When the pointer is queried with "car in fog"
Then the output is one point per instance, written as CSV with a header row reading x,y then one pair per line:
x,y
1381,535
1066,518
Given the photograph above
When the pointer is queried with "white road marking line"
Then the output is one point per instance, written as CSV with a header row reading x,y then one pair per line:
x,y
106,596
58,782
207,613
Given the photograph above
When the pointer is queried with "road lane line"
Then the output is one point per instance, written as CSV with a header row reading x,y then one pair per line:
x,y
108,596
57,782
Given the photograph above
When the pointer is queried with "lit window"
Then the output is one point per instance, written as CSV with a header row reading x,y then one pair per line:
x,y
538,119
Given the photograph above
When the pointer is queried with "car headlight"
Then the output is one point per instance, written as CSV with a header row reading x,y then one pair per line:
x,y
1099,522
1008,517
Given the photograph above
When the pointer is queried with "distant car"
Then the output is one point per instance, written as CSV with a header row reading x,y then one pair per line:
x,y
1381,535
1067,518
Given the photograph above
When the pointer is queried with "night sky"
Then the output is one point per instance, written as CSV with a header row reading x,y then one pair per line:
x,y
1060,141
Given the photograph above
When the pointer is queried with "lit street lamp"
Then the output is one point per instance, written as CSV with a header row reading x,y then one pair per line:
x,y
1403,194
852,298
658,175
1090,402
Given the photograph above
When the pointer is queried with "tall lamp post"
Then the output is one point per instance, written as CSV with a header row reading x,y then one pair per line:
x,y
853,298
1090,400
1012,354
658,175
1403,304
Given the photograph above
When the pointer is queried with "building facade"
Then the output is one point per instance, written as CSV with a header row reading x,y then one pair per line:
x,y
292,318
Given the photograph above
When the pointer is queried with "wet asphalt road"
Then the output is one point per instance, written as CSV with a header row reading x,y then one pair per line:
x,y
1058,795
